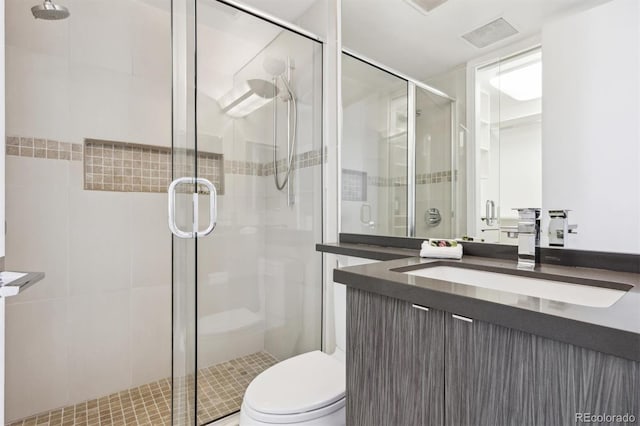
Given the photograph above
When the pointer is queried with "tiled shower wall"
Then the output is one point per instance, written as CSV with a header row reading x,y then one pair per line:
x,y
100,320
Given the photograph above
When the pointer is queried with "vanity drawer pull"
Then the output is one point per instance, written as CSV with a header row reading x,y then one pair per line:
x,y
422,308
461,318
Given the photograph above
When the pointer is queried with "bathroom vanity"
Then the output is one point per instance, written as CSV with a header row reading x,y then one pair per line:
x,y
424,349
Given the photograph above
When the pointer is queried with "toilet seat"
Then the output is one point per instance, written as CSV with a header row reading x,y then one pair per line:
x,y
277,419
302,388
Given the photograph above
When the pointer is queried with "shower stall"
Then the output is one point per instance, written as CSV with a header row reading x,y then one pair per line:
x,y
247,117
400,154
159,306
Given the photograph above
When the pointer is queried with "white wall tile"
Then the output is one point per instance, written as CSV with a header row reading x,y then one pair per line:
x,y
25,32
149,111
38,93
100,243
37,173
150,241
36,358
151,40
100,34
99,355
150,334
38,237
99,103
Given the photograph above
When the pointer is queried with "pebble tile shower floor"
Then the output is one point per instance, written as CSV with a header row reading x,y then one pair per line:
x,y
220,391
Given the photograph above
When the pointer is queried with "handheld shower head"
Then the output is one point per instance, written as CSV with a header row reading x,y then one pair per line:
x,y
274,67
50,11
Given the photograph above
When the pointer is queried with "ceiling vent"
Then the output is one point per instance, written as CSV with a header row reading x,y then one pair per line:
x,y
491,33
425,6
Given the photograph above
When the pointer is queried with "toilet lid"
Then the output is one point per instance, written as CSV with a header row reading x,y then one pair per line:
x,y
297,385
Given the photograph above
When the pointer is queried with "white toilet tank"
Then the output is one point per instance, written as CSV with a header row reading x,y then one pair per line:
x,y
340,302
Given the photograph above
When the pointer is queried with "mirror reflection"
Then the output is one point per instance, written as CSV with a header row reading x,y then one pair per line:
x,y
374,156
509,104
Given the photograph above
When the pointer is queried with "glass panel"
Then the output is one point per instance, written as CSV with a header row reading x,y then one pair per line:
x,y
259,277
183,250
374,150
435,174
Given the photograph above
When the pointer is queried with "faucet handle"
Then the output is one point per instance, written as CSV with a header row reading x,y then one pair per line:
x,y
528,212
529,220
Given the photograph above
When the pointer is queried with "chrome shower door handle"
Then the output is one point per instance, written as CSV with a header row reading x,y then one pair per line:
x,y
172,207
490,213
365,214
213,208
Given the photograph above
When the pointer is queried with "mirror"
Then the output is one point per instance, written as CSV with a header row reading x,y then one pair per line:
x,y
508,104
374,158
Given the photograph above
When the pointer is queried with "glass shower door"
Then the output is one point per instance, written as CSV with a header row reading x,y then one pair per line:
x,y
247,115
181,214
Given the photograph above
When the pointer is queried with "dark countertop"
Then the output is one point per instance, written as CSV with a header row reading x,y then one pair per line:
x,y
367,251
21,284
614,330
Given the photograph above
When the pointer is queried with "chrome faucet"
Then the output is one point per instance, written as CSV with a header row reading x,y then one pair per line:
x,y
528,237
559,227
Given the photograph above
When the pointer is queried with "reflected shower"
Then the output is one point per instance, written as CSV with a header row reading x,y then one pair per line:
x,y
253,94
50,11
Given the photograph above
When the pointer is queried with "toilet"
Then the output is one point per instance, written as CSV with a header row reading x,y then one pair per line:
x,y
308,389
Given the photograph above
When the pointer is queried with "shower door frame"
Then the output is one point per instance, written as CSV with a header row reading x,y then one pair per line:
x,y
184,21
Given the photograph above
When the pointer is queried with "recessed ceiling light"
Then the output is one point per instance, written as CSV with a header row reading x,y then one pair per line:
x,y
425,6
490,33
522,84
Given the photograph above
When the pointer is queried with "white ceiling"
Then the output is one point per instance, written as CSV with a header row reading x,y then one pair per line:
x,y
395,34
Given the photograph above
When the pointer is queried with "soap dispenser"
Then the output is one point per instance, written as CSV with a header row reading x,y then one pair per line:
x,y
559,227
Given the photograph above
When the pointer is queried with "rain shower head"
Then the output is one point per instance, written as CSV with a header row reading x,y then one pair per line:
x,y
248,97
50,11
263,88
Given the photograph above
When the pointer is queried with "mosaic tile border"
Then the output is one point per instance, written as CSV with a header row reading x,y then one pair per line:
x,y
128,167
436,177
43,148
22,146
387,181
251,168
421,179
354,185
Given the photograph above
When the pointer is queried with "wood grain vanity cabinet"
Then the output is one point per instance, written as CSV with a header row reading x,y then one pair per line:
x,y
395,361
406,366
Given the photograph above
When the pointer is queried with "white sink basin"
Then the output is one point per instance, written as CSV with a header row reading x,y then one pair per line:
x,y
577,294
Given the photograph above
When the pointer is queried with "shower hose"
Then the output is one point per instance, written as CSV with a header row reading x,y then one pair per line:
x,y
293,123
